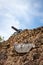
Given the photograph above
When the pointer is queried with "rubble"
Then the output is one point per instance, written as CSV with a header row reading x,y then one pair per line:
x,y
8,56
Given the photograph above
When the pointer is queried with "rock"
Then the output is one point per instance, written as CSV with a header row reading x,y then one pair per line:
x,y
23,48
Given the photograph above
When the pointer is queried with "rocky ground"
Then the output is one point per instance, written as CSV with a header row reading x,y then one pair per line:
x,y
8,55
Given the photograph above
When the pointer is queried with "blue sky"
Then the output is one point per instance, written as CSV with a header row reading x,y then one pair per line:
x,y
21,14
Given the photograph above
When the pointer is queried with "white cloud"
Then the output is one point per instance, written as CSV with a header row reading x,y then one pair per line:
x,y
9,9
23,8
5,27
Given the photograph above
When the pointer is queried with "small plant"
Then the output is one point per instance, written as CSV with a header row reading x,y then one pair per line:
x,y
1,38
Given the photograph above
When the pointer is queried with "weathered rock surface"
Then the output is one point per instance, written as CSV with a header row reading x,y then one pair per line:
x,y
8,56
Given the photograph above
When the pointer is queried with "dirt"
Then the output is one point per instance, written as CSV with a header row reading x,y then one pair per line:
x,y
8,55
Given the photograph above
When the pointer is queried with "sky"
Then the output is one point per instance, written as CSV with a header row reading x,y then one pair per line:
x,y
23,14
